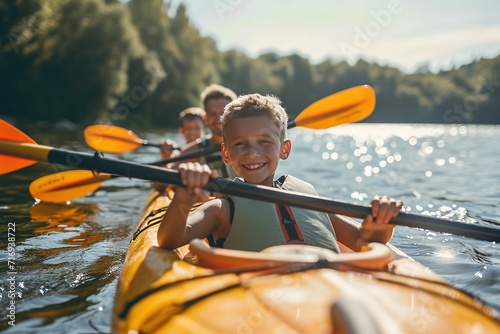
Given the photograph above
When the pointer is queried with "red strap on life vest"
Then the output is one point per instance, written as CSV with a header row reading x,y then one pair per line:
x,y
289,226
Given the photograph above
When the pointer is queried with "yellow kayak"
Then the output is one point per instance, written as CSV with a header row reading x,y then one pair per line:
x,y
284,289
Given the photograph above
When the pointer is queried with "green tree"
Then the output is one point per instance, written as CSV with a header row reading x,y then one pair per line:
x,y
298,91
189,59
76,64
485,96
195,65
96,43
23,25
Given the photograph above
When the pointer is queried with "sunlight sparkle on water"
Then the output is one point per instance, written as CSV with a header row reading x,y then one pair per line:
x,y
479,274
358,196
440,162
445,253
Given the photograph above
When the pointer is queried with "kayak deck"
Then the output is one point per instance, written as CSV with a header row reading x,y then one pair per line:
x,y
290,289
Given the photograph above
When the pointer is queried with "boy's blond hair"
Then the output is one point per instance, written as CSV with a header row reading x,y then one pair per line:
x,y
214,92
256,105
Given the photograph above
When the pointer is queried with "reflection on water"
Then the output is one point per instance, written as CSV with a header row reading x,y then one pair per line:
x,y
61,217
69,256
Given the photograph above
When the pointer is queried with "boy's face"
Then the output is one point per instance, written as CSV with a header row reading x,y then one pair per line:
x,y
214,109
253,147
192,129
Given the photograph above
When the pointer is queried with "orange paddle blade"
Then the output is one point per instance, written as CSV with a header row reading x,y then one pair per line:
x,y
348,106
12,134
111,139
65,186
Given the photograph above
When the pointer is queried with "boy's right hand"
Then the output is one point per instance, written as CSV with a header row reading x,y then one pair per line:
x,y
194,177
167,148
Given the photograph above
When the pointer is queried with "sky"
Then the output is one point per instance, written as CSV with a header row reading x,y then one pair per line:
x,y
406,34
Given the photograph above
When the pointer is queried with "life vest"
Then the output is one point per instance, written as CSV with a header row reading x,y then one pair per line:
x,y
257,225
216,162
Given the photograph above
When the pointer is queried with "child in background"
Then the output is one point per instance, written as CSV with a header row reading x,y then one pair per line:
x,y
254,133
214,98
191,127
192,124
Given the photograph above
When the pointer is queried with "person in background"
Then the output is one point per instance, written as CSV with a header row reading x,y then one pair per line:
x,y
214,98
192,124
254,141
191,127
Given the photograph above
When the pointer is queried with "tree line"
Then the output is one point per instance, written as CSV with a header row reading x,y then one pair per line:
x,y
141,62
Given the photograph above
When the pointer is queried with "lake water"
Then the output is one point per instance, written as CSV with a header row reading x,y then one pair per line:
x,y
68,257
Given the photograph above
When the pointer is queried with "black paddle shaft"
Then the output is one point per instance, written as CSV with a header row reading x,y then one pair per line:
x,y
98,163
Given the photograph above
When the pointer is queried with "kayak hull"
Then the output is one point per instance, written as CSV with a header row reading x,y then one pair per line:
x,y
284,291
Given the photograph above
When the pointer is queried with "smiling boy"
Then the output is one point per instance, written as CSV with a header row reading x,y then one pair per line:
x,y
254,134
